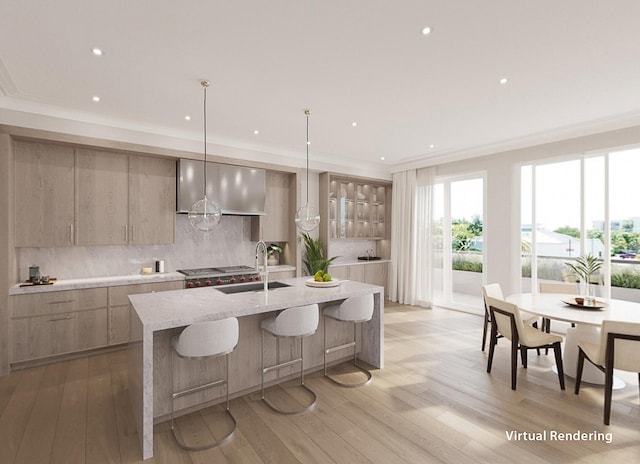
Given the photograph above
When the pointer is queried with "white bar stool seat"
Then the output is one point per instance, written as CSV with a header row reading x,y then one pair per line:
x,y
200,341
297,322
355,310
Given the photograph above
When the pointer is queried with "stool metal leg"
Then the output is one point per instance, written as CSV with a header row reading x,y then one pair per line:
x,y
176,395
286,364
353,344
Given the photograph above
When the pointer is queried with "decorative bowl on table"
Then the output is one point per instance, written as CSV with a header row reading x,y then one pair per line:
x,y
583,303
311,282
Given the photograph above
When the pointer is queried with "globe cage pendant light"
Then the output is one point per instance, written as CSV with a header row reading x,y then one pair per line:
x,y
307,218
204,214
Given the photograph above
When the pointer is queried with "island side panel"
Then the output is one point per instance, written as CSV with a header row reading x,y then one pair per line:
x,y
136,376
373,334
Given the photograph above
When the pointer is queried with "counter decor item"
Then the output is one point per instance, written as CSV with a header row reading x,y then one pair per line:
x,y
314,259
273,251
584,268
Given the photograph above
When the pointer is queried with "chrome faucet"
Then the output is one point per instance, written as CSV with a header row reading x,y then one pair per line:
x,y
262,270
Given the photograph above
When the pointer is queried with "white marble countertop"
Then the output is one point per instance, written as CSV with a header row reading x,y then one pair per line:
x,y
93,282
354,261
177,308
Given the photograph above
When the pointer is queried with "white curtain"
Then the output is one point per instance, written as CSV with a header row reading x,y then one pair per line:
x,y
424,236
403,263
411,249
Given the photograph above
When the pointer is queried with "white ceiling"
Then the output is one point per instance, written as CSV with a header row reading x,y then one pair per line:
x,y
572,66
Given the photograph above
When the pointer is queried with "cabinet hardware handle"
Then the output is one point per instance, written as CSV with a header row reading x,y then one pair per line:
x,y
71,233
126,234
66,318
61,301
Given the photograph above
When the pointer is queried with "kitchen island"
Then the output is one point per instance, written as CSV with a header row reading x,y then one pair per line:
x,y
156,317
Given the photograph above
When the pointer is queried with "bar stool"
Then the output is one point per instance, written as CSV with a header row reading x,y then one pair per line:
x,y
200,341
297,322
355,310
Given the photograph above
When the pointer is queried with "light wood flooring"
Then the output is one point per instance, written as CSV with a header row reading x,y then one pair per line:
x,y
433,402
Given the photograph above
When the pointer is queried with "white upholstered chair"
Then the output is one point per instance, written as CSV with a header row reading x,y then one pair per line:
x,y
296,322
618,349
506,320
355,310
495,291
198,341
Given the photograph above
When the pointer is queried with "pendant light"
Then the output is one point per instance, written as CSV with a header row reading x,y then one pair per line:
x,y
205,215
307,218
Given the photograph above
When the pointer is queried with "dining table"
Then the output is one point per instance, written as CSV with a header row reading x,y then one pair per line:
x,y
587,321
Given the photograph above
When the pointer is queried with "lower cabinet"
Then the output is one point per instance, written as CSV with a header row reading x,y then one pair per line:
x,y
54,323
119,307
368,273
281,275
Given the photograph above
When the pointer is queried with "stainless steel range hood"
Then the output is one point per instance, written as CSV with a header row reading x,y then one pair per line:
x,y
236,189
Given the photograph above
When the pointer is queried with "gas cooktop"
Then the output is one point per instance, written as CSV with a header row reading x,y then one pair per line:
x,y
212,271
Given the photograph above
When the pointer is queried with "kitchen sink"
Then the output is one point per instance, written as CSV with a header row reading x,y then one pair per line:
x,y
251,287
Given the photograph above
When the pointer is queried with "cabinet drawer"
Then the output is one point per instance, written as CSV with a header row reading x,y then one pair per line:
x,y
59,302
118,296
42,336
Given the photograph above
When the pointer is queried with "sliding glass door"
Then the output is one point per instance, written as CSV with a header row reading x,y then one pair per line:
x,y
458,243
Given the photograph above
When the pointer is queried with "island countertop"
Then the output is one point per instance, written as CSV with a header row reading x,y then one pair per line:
x,y
177,308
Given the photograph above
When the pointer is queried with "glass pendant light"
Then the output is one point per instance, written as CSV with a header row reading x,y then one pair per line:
x,y
205,214
307,218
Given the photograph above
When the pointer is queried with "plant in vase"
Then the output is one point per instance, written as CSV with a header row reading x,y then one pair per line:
x,y
273,253
584,268
314,259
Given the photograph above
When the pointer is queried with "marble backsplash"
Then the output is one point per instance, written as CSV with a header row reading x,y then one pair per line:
x,y
229,244
348,250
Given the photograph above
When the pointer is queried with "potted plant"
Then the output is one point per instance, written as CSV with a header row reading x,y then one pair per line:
x,y
584,267
314,259
273,253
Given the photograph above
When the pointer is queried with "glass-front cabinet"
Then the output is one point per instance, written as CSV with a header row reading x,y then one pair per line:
x,y
357,209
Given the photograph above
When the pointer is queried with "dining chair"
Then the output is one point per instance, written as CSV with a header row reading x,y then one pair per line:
x,y
506,320
618,349
560,288
495,291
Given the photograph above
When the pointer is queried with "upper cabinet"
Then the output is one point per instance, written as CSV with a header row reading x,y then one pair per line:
x,y
152,200
92,197
44,195
101,198
276,224
356,208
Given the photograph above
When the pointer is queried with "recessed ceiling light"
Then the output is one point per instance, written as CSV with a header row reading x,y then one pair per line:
x,y
256,132
187,118
426,30
96,98
504,80
432,146
354,124
382,158
97,51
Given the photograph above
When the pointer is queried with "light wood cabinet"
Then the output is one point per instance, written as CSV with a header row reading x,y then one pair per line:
x,y
276,275
357,209
102,208
275,225
88,197
54,323
152,200
44,195
120,308
368,273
